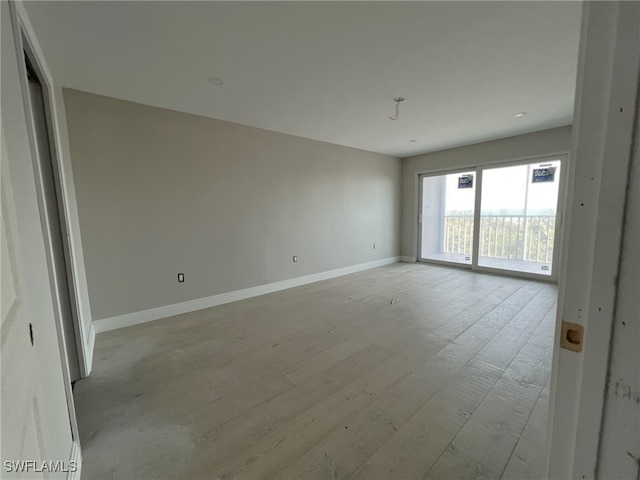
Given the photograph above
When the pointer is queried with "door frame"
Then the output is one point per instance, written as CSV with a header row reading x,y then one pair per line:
x,y
25,46
478,172
65,293
27,41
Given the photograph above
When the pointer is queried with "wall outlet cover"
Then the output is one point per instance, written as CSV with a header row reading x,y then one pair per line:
x,y
572,336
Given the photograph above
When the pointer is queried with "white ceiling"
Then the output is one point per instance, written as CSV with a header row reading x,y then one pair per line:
x,y
328,70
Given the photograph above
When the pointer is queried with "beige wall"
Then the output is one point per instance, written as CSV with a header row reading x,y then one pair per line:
x,y
161,192
546,142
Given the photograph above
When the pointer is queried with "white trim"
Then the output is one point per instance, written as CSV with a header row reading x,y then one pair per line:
x,y
130,319
62,160
75,456
91,342
477,218
407,259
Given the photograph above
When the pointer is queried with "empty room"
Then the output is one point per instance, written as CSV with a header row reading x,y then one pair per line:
x,y
320,240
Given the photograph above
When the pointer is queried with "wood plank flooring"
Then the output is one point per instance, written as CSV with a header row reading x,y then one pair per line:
x,y
402,372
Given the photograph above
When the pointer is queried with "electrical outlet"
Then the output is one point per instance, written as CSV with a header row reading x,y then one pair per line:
x,y
180,277
295,258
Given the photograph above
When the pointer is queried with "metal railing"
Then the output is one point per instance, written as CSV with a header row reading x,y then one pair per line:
x,y
515,237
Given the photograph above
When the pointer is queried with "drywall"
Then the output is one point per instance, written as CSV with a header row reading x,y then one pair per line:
x,y
546,142
161,193
36,423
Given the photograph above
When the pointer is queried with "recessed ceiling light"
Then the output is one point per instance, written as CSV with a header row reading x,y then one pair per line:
x,y
216,81
520,114
413,140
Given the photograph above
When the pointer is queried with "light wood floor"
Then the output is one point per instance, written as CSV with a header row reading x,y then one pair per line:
x,y
402,372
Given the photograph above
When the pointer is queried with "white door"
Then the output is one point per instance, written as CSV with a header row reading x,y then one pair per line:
x,y
22,434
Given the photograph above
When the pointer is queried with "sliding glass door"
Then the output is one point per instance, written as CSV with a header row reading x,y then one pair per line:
x,y
447,217
518,217
509,224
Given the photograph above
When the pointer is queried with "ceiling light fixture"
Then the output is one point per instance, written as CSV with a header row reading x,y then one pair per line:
x,y
216,81
397,114
520,114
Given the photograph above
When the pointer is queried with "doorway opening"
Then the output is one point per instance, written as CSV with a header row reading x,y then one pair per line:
x,y
53,218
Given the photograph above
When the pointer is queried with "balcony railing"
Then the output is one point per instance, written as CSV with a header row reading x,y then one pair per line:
x,y
516,237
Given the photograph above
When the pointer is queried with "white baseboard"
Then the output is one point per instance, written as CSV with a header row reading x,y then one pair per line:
x,y
76,457
407,259
130,319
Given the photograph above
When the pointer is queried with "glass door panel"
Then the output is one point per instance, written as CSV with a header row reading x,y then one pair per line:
x,y
518,217
447,217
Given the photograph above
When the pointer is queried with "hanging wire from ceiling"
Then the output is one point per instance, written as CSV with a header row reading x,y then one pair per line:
x,y
397,114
